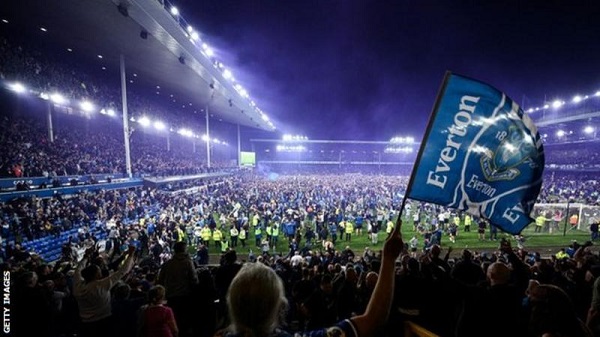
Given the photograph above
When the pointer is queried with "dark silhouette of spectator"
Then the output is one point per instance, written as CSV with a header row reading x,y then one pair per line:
x,y
179,278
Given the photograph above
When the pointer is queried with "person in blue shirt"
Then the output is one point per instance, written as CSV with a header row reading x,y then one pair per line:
x,y
333,232
358,224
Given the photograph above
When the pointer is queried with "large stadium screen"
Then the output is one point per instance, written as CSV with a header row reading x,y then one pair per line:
x,y
247,158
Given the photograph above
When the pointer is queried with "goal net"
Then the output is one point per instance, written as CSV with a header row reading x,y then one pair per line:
x,y
558,216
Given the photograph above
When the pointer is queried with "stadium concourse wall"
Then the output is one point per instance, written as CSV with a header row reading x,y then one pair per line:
x,y
116,182
11,183
49,192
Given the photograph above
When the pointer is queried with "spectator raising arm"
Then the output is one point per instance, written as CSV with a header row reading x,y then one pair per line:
x,y
380,303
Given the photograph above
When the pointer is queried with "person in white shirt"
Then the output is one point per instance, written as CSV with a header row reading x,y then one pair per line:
x,y
296,259
92,293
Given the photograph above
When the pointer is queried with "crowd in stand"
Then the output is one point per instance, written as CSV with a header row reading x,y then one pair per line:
x,y
79,150
86,144
573,155
98,288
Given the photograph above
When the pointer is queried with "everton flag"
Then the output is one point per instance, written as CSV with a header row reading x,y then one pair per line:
x,y
480,154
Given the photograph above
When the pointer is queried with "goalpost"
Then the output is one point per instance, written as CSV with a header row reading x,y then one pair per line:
x,y
573,216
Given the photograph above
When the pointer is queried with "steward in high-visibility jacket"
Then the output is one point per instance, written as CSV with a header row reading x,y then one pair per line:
x,y
562,254
269,231
180,234
539,223
275,235
205,234
389,227
217,237
242,236
457,221
467,223
349,229
258,235
224,246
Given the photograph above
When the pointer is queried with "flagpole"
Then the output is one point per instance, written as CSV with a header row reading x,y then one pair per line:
x,y
423,141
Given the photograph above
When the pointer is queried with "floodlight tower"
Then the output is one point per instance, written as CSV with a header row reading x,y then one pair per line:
x,y
208,139
125,118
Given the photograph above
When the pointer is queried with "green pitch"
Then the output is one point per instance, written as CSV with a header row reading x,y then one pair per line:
x,y
545,242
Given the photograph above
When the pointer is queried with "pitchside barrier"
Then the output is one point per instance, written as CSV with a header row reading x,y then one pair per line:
x,y
561,216
414,330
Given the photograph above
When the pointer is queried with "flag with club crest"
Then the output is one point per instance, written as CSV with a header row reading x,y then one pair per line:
x,y
480,154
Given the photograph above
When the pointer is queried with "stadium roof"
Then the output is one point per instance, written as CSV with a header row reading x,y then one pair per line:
x,y
167,58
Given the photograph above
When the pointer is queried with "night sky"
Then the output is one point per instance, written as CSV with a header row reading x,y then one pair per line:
x,y
371,69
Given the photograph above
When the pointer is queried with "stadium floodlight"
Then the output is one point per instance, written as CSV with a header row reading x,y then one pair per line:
x,y
265,118
209,52
185,132
18,88
560,133
205,138
597,93
195,36
577,99
86,106
227,74
174,11
57,98
216,141
144,121
588,129
557,104
190,29
391,149
546,106
158,125
110,112
244,93
402,140
530,110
